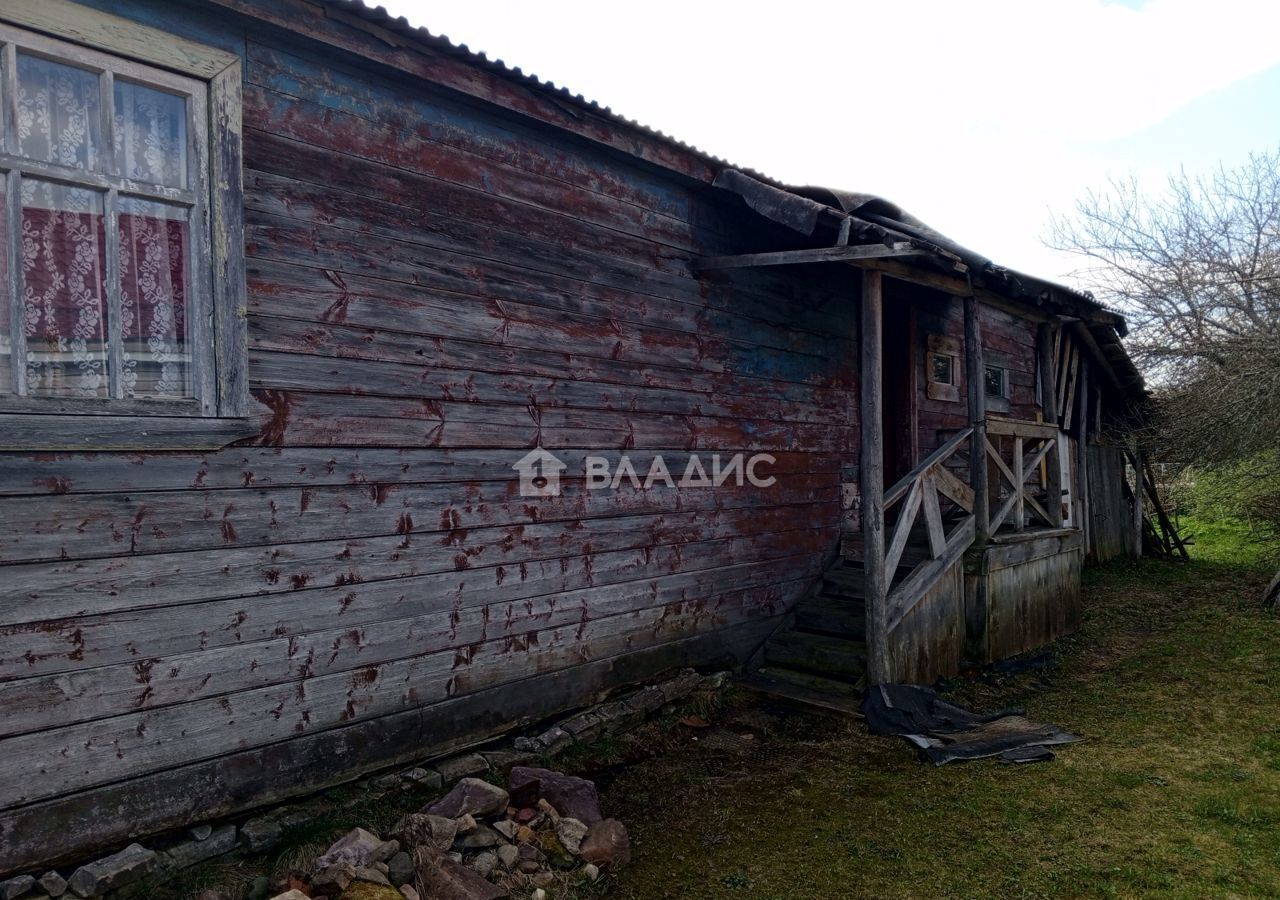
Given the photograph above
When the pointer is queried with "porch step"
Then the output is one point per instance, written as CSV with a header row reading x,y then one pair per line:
x,y
807,652
838,616
809,692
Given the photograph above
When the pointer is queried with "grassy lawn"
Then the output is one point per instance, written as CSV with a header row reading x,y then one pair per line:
x,y
1175,682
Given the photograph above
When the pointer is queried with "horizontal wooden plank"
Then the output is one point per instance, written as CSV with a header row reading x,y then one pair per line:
x,y
68,588
26,431
74,644
67,829
798,257
272,370
46,764
609,290
403,262
114,34
334,340
71,527
333,420
263,467
149,682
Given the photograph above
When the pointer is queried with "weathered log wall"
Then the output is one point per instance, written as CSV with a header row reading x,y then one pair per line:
x,y
929,643
1110,507
435,286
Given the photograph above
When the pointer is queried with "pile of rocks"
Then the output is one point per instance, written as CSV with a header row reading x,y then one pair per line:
x,y
478,842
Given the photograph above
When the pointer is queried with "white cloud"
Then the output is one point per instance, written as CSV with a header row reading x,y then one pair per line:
x,y
975,116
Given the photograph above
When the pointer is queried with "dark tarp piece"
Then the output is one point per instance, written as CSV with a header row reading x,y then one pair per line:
x,y
944,732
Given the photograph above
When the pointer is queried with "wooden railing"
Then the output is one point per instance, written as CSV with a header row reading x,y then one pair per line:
x,y
1031,448
921,491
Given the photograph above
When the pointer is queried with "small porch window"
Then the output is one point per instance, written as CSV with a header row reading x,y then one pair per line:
x,y
942,368
997,382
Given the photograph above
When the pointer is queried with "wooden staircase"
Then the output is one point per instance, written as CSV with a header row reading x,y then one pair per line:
x,y
818,661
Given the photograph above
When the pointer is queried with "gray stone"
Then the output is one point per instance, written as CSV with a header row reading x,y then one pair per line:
x,y
265,832
470,796
484,863
647,700
293,894
259,888
482,837
443,878
189,853
607,845
424,829
549,743
716,681
501,761
455,768
409,892
53,884
400,869
507,828
427,778
586,726
466,824
573,797
372,875
117,870
681,685
591,871
17,887
508,856
357,848
334,879
571,832
200,832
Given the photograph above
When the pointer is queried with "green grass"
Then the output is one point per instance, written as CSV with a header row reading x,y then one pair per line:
x,y
1174,680
1227,541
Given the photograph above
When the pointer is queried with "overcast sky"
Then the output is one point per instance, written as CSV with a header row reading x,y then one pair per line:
x,y
979,117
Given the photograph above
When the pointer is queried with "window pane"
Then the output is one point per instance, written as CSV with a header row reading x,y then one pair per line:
x,y
995,381
59,113
153,300
941,369
6,319
151,134
64,297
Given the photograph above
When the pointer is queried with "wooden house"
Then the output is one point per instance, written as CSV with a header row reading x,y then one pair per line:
x,y
290,292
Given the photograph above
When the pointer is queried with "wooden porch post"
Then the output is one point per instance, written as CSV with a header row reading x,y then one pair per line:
x,y
975,373
1049,399
1082,459
871,475
1136,458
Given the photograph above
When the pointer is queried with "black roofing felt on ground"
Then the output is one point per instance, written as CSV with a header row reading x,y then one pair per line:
x,y
874,218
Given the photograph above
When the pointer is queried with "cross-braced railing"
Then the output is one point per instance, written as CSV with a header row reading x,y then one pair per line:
x,y
923,491
1021,452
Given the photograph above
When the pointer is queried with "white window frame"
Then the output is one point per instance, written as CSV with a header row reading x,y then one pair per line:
x,y
111,45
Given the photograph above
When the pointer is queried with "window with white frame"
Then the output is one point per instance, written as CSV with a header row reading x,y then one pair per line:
x,y
108,270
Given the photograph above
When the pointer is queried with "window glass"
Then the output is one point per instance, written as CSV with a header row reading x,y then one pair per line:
x,y
151,134
64,297
153,299
59,113
995,381
942,369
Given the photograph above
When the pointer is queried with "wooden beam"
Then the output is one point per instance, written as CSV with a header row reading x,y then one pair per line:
x,y
871,474
975,372
1082,458
1048,379
794,257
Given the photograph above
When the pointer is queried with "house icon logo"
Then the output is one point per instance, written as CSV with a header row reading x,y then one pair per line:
x,y
539,473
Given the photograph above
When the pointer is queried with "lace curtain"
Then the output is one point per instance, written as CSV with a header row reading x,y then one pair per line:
x,y
63,244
